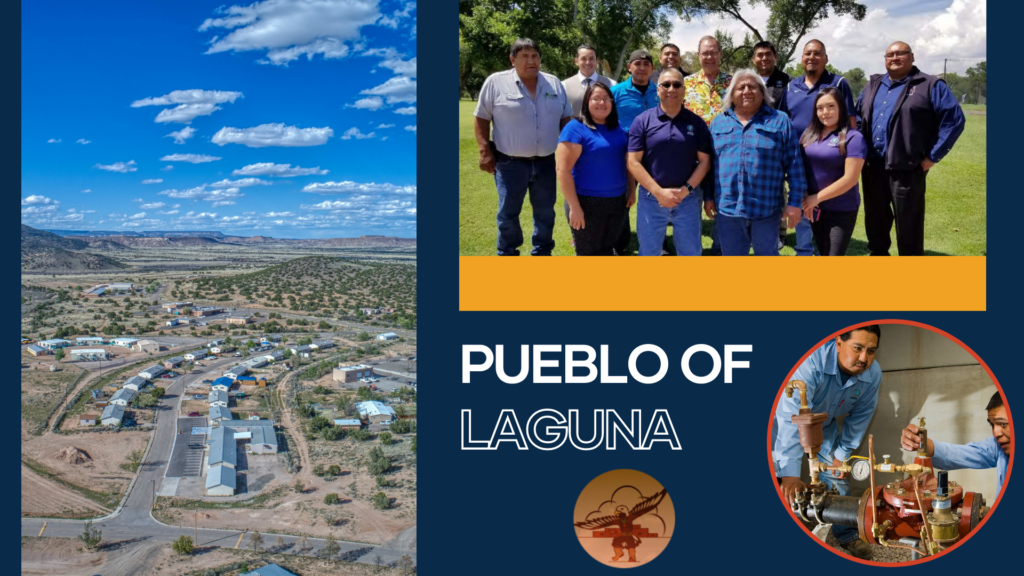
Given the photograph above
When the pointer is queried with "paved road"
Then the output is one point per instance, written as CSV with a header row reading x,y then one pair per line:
x,y
134,520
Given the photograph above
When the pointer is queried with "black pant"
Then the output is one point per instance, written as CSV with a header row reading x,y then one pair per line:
x,y
832,231
894,195
603,225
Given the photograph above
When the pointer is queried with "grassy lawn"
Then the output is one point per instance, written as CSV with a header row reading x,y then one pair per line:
x,y
955,223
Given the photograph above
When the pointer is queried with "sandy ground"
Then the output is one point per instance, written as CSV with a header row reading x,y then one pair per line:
x,y
103,473
38,499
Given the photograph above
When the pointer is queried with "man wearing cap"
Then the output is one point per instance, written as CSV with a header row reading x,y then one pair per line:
x,y
703,96
576,85
911,121
633,96
528,109
798,102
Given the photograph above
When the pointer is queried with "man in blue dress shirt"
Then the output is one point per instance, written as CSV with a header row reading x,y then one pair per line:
x,y
910,121
842,378
993,452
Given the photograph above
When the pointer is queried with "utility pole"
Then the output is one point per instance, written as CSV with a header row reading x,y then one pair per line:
x,y
944,60
197,527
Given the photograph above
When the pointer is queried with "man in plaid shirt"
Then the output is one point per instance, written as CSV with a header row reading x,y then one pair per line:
x,y
756,152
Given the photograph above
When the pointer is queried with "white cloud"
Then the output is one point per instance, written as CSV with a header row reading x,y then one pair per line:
x,y
282,170
193,158
240,183
355,133
279,214
346,187
273,135
371,103
190,104
395,90
168,167
138,216
152,205
201,193
200,216
223,203
118,167
86,191
83,141
401,67
408,110
53,141
153,181
38,209
383,126
289,30
168,212
411,128
182,135
36,199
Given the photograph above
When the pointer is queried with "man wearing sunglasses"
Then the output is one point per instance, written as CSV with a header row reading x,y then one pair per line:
x,y
910,121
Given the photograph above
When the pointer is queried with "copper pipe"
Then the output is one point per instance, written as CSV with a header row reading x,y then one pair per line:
x,y
802,387
927,529
871,455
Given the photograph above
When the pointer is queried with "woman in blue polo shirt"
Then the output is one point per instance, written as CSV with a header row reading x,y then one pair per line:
x,y
591,165
669,155
833,158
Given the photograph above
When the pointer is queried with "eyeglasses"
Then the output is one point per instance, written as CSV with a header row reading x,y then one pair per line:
x,y
600,100
898,53
667,85
709,54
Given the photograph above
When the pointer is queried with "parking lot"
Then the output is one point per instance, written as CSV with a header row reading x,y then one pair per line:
x,y
185,461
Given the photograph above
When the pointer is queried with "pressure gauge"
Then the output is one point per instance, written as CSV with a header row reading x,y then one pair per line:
x,y
861,470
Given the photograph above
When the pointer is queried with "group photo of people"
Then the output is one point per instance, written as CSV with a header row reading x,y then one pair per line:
x,y
665,160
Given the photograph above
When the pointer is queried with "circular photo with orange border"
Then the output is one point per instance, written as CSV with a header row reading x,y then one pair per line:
x,y
890,442
624,518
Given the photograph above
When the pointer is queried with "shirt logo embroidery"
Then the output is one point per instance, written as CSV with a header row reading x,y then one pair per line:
x,y
689,128
834,141
856,392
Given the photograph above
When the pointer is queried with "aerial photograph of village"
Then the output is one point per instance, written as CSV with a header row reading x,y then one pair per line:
x,y
218,325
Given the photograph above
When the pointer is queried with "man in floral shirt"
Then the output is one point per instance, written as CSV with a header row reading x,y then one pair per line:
x,y
703,93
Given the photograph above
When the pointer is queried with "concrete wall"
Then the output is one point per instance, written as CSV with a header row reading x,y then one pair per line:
x,y
909,347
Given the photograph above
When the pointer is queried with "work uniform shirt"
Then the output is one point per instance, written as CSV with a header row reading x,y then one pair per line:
x,y
826,392
523,126
777,83
704,97
947,111
752,162
670,145
976,455
630,102
825,164
600,169
798,100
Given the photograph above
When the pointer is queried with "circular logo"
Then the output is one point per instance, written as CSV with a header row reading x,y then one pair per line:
x,y
624,518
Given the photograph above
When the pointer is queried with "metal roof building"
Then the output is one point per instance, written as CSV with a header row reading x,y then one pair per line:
x,y
197,355
219,413
37,350
235,372
83,340
125,342
375,411
151,372
135,383
321,344
348,422
224,381
55,343
217,398
89,354
220,481
387,336
222,447
112,415
269,570
263,440
124,396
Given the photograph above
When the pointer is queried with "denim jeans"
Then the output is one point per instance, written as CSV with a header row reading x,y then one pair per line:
x,y
844,534
737,234
804,237
514,177
652,221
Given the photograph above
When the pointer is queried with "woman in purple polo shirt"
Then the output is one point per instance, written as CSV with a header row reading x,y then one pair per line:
x,y
669,155
833,157
591,165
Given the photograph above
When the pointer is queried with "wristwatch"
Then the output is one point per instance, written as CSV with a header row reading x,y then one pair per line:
x,y
688,187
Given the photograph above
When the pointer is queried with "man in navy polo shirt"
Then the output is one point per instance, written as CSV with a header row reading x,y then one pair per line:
x,y
798,102
911,121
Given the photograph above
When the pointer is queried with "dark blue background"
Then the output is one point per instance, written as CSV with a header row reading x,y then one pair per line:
x,y
510,511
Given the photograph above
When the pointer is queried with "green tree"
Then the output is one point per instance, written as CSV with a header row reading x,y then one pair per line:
x,y
379,466
385,438
331,546
333,470
59,354
331,498
157,392
381,500
91,537
299,487
362,336
183,545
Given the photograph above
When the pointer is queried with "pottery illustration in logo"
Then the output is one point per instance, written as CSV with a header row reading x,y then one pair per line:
x,y
624,518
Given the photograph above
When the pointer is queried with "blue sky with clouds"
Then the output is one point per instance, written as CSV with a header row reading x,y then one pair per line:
x,y
285,118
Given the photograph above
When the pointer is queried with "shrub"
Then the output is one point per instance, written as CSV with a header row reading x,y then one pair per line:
x,y
299,486
381,500
333,470
382,480
331,498
332,433
318,470
379,466
361,434
183,545
385,438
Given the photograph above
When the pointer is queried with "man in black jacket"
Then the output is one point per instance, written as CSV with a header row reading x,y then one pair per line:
x,y
776,80
910,121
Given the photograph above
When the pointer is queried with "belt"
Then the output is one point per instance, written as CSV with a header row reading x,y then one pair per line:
x,y
502,156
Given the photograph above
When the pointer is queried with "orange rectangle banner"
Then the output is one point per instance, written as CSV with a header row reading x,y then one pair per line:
x,y
930,283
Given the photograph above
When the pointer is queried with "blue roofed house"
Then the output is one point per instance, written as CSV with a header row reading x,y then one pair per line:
x,y
269,570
